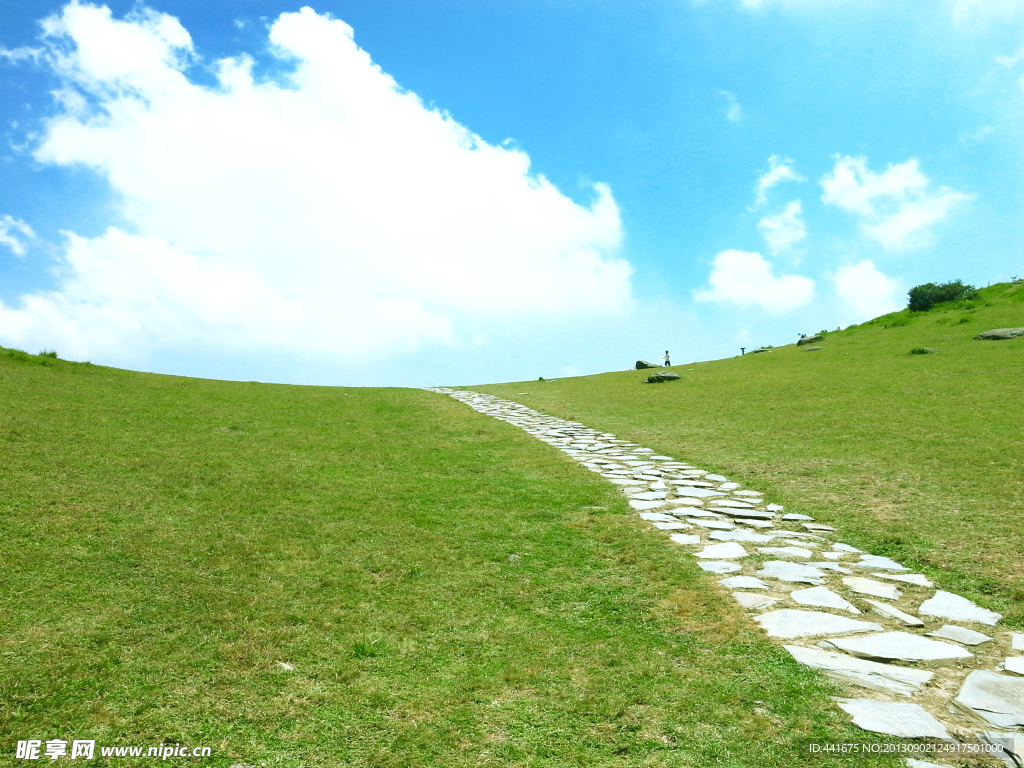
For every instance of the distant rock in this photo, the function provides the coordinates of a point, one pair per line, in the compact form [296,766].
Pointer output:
[641,364]
[662,376]
[998,334]
[759,351]
[812,349]
[923,351]
[810,340]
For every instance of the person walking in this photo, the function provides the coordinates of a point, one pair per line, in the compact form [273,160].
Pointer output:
[667,361]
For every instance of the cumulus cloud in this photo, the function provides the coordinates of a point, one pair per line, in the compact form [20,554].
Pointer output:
[326,209]
[13,234]
[897,208]
[746,279]
[780,169]
[783,230]
[867,292]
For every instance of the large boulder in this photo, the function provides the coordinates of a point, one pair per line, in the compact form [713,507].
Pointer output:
[661,376]
[641,364]
[1000,333]
[810,339]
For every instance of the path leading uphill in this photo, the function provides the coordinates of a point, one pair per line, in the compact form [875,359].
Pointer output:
[925,662]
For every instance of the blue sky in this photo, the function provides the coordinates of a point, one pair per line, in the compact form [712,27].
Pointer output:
[416,193]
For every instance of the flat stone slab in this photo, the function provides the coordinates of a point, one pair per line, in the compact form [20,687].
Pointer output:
[788,623]
[879,563]
[886,610]
[907,578]
[685,538]
[1014,664]
[818,527]
[792,572]
[829,566]
[785,551]
[698,493]
[992,699]
[903,719]
[822,597]
[735,504]
[719,566]
[661,517]
[717,478]
[866,674]
[960,634]
[740,535]
[901,646]
[754,601]
[833,555]
[1011,746]
[687,502]
[746,513]
[794,516]
[744,493]
[696,513]
[774,507]
[871,587]
[720,525]
[756,523]
[676,526]
[946,605]
[743,582]
[644,505]
[1017,641]
[727,551]
[846,548]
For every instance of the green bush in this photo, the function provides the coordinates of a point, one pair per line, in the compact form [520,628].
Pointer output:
[924,297]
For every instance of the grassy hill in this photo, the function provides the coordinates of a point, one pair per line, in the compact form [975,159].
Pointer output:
[915,456]
[307,576]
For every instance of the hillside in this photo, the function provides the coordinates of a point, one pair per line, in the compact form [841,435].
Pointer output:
[312,576]
[915,456]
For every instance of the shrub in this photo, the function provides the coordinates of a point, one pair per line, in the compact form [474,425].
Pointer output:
[924,297]
[52,354]
[922,351]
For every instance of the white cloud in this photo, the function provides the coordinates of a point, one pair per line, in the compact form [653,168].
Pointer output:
[746,279]
[330,211]
[13,233]
[780,169]
[867,292]
[734,112]
[897,207]
[968,11]
[783,230]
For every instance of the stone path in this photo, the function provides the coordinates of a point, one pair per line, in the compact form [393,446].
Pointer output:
[923,662]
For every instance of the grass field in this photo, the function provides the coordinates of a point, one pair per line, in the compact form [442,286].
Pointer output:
[446,590]
[915,456]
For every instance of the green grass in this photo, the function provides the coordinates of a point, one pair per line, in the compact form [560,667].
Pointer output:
[448,590]
[916,456]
